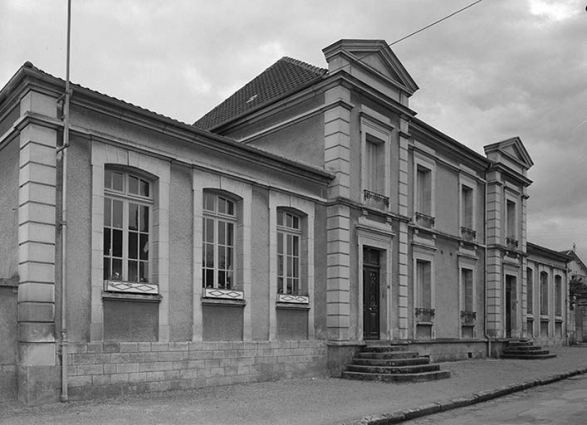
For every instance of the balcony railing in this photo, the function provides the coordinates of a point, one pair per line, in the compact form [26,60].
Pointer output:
[425,315]
[511,243]
[468,318]
[468,234]
[375,199]
[424,220]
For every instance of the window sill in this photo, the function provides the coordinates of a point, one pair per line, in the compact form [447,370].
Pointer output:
[292,306]
[558,319]
[125,296]
[293,299]
[123,287]
[223,302]
[224,294]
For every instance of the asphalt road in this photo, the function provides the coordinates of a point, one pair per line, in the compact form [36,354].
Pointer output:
[561,403]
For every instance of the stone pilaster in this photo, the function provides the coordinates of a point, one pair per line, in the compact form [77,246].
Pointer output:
[403,248]
[494,262]
[38,371]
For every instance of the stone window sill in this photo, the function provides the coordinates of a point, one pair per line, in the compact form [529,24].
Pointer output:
[125,296]
[292,306]
[223,302]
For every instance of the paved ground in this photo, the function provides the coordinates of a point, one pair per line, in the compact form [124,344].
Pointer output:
[312,401]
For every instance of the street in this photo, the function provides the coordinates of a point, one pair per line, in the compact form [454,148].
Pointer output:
[561,403]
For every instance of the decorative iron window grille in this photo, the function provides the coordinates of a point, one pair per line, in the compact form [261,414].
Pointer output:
[511,243]
[424,220]
[425,314]
[376,198]
[468,318]
[468,234]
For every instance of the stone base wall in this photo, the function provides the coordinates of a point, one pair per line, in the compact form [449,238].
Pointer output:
[446,351]
[8,379]
[111,369]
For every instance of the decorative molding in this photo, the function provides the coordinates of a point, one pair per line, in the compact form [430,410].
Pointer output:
[294,299]
[131,287]
[226,294]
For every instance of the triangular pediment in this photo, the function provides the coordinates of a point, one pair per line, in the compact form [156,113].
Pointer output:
[512,149]
[375,55]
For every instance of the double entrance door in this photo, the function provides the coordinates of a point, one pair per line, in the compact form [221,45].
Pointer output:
[371,293]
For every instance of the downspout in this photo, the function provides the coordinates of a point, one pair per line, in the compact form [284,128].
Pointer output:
[485,333]
[63,225]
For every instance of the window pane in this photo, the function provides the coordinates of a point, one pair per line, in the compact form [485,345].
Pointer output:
[107,247]
[221,205]
[230,234]
[280,265]
[229,207]
[208,255]
[280,285]
[145,188]
[117,214]
[221,279]
[117,181]
[221,257]
[106,268]
[295,246]
[289,244]
[280,243]
[133,216]
[289,267]
[133,274]
[107,212]
[144,247]
[116,269]
[221,232]
[280,218]
[117,243]
[229,256]
[144,218]
[209,199]
[133,185]
[144,271]
[289,221]
[133,240]
[108,179]
[208,278]
[296,222]
[209,230]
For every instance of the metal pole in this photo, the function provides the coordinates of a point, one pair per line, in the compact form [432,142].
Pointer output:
[64,395]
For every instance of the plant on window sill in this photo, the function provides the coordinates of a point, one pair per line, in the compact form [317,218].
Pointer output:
[375,198]
[425,314]
[468,234]
[468,317]
[424,220]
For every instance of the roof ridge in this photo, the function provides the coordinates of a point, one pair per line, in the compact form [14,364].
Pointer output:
[305,65]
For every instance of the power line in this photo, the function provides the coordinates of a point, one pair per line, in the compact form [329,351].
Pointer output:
[436,22]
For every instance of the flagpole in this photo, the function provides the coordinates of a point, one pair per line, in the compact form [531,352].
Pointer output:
[64,381]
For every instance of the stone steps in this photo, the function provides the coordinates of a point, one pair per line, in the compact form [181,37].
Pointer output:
[392,363]
[525,350]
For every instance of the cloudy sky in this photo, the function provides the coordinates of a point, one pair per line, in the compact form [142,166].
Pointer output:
[501,68]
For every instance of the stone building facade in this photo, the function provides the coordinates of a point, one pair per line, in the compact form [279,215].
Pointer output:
[308,215]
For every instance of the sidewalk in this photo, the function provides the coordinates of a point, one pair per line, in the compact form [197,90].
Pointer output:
[312,401]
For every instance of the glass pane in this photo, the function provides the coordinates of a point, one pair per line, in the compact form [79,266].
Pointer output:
[108,179]
[280,265]
[144,247]
[117,214]
[145,188]
[221,279]
[289,286]
[116,269]
[280,243]
[133,272]
[222,233]
[117,243]
[107,247]
[107,212]
[144,271]
[289,267]
[230,234]
[209,199]
[280,218]
[133,240]
[133,216]
[289,222]
[229,207]
[229,256]
[144,219]
[221,205]
[117,181]
[208,255]
[209,230]
[209,278]
[295,270]
[296,222]
[221,257]
[280,285]
[289,245]
[133,185]
[106,268]
[295,246]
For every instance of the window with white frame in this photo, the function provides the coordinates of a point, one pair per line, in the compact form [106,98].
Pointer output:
[511,219]
[543,293]
[467,206]
[424,190]
[424,284]
[128,200]
[289,234]
[219,229]
[558,295]
[529,291]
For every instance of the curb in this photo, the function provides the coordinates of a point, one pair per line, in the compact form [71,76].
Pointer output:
[442,406]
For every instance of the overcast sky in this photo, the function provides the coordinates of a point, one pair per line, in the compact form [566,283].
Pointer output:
[501,68]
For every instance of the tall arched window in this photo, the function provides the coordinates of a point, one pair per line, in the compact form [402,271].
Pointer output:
[543,293]
[289,235]
[128,201]
[220,220]
[530,291]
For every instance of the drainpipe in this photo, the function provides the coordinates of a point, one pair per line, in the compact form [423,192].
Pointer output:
[486,334]
[63,225]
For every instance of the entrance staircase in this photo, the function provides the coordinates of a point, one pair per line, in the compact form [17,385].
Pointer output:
[526,350]
[392,363]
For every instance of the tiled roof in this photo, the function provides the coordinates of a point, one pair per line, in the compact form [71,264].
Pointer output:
[284,77]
